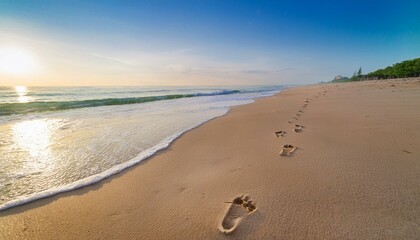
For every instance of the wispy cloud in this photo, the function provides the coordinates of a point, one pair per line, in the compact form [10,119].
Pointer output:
[258,72]
[25,39]
[112,59]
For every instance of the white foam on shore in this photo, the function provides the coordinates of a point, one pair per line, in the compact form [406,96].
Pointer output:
[117,168]
[100,176]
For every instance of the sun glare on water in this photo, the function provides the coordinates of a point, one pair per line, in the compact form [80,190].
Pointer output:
[17,62]
[34,138]
[21,92]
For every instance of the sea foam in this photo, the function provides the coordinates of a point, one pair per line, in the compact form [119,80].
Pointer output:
[100,176]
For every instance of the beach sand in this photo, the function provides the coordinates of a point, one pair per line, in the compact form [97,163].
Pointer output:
[354,174]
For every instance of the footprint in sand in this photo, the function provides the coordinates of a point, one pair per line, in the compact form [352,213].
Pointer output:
[287,150]
[297,128]
[239,208]
[280,133]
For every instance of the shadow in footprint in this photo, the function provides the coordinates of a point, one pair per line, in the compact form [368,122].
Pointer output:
[239,208]
[280,133]
[298,128]
[287,150]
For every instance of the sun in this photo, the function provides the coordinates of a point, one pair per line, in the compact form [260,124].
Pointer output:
[14,61]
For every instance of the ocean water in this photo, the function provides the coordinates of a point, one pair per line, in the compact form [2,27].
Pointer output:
[55,139]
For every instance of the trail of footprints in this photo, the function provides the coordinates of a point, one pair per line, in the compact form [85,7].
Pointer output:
[242,206]
[288,149]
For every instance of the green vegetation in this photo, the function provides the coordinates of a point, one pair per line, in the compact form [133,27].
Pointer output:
[409,68]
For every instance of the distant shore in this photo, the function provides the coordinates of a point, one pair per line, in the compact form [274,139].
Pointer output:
[326,161]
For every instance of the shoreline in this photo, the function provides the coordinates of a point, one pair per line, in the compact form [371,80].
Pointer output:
[312,192]
[97,178]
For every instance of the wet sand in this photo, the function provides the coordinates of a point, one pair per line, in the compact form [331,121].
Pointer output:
[350,169]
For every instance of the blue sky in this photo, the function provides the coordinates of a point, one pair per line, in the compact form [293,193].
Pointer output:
[206,42]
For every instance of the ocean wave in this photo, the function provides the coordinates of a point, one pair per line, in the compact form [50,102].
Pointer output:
[38,106]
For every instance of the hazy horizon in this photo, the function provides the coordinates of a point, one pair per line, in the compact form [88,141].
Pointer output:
[200,43]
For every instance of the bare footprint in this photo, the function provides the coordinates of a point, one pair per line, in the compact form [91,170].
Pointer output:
[297,128]
[239,208]
[280,133]
[287,150]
